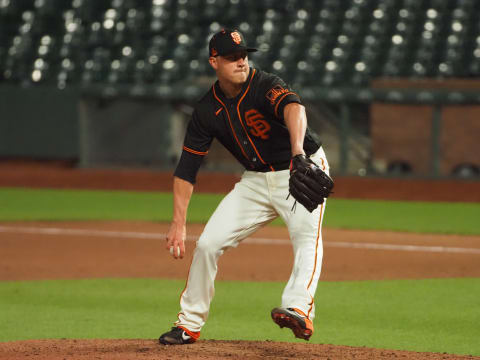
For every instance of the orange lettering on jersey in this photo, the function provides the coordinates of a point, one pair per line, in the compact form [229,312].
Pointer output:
[275,92]
[258,126]
[236,37]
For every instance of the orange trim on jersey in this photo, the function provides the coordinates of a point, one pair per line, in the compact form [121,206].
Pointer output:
[194,151]
[230,121]
[218,111]
[279,101]
[241,122]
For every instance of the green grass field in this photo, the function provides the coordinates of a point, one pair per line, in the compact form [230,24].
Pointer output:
[421,315]
[55,205]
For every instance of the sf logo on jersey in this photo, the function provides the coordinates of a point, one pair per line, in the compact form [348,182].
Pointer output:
[258,126]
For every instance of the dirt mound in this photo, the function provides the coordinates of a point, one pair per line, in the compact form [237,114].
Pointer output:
[204,349]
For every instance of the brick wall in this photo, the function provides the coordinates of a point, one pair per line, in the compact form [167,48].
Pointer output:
[403,132]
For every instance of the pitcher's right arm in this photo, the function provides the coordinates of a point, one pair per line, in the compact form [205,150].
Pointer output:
[182,192]
[196,144]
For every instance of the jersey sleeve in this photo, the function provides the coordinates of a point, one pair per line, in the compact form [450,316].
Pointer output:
[195,146]
[275,95]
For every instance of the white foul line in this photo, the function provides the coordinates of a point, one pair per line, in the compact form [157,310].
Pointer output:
[372,246]
[81,232]
[263,241]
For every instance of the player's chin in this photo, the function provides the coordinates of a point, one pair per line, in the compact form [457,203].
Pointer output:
[240,77]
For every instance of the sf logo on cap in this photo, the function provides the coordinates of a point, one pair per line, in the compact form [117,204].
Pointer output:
[236,37]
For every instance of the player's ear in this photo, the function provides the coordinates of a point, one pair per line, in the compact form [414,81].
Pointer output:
[213,62]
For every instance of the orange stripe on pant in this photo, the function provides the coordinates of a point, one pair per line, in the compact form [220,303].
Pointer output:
[316,254]
[316,245]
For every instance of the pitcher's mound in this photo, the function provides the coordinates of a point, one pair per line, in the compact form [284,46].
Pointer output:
[204,349]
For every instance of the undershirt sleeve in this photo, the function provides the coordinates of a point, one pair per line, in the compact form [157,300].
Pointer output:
[195,146]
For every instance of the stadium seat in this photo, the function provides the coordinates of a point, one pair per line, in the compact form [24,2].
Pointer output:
[308,42]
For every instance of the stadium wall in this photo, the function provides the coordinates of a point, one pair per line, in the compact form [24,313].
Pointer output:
[38,122]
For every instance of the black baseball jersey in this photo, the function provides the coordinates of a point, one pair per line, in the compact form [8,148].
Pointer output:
[250,126]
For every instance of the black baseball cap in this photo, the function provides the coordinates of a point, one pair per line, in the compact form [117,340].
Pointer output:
[226,42]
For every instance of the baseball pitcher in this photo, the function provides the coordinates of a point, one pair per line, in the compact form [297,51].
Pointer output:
[263,124]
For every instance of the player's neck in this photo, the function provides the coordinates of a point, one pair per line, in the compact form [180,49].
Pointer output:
[230,89]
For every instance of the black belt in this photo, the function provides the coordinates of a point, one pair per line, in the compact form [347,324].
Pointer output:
[283,165]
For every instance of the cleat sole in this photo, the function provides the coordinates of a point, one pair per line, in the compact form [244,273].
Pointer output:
[299,331]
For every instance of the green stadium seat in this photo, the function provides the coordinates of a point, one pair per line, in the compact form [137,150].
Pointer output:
[308,42]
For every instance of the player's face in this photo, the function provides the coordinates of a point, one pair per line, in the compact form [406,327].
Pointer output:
[232,68]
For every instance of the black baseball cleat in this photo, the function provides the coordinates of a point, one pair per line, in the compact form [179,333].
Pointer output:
[294,319]
[178,336]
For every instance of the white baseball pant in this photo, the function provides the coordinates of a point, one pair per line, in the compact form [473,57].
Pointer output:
[256,199]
